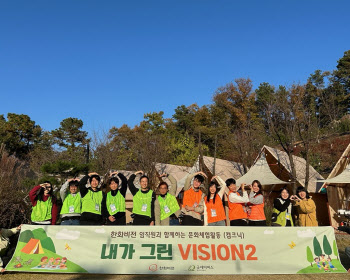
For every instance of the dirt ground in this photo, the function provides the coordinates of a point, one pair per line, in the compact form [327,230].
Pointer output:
[343,240]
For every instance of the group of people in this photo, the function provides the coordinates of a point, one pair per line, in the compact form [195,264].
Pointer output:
[84,202]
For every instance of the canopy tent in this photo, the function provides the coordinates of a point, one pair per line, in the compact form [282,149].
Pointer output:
[260,171]
[342,178]
[280,165]
[177,171]
[338,187]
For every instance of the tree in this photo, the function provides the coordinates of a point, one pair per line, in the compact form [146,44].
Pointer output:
[236,119]
[342,74]
[19,133]
[317,247]
[279,109]
[70,134]
[326,246]
[309,255]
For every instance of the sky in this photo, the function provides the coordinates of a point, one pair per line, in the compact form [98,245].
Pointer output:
[110,62]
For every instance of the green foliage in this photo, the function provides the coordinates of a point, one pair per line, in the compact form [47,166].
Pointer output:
[309,255]
[48,244]
[317,247]
[326,246]
[69,135]
[19,133]
[67,168]
[26,236]
[39,233]
[344,125]
[268,209]
[342,74]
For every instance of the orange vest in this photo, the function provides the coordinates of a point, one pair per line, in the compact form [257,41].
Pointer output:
[216,210]
[191,197]
[257,212]
[236,209]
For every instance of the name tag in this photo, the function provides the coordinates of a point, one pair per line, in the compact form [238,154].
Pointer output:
[213,212]
[144,208]
[97,207]
[71,209]
[166,209]
[113,208]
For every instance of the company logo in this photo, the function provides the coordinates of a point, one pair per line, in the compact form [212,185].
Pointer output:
[192,268]
[153,267]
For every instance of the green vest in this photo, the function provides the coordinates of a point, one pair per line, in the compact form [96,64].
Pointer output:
[71,204]
[168,206]
[281,218]
[42,210]
[142,203]
[92,202]
[115,203]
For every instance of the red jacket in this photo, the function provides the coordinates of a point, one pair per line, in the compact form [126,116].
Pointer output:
[33,195]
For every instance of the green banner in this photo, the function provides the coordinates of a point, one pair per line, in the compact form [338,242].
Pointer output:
[176,250]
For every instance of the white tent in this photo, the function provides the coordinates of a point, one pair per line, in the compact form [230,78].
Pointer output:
[262,172]
[342,178]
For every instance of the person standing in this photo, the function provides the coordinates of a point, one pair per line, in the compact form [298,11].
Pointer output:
[191,208]
[256,204]
[282,210]
[306,208]
[237,204]
[44,205]
[93,206]
[143,200]
[215,210]
[115,200]
[71,208]
[166,207]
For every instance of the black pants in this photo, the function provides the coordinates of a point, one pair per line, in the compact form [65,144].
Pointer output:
[90,219]
[238,223]
[190,221]
[257,223]
[140,220]
[121,221]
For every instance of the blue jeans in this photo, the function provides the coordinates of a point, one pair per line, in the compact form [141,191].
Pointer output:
[70,222]
[174,222]
[219,223]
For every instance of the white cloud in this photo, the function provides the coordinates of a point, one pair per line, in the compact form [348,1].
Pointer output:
[100,230]
[67,234]
[306,233]
[269,231]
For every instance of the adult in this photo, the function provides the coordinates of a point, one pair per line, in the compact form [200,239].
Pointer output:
[256,215]
[191,207]
[305,207]
[215,210]
[5,235]
[115,200]
[44,205]
[282,210]
[143,200]
[166,207]
[237,204]
[71,208]
[93,209]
